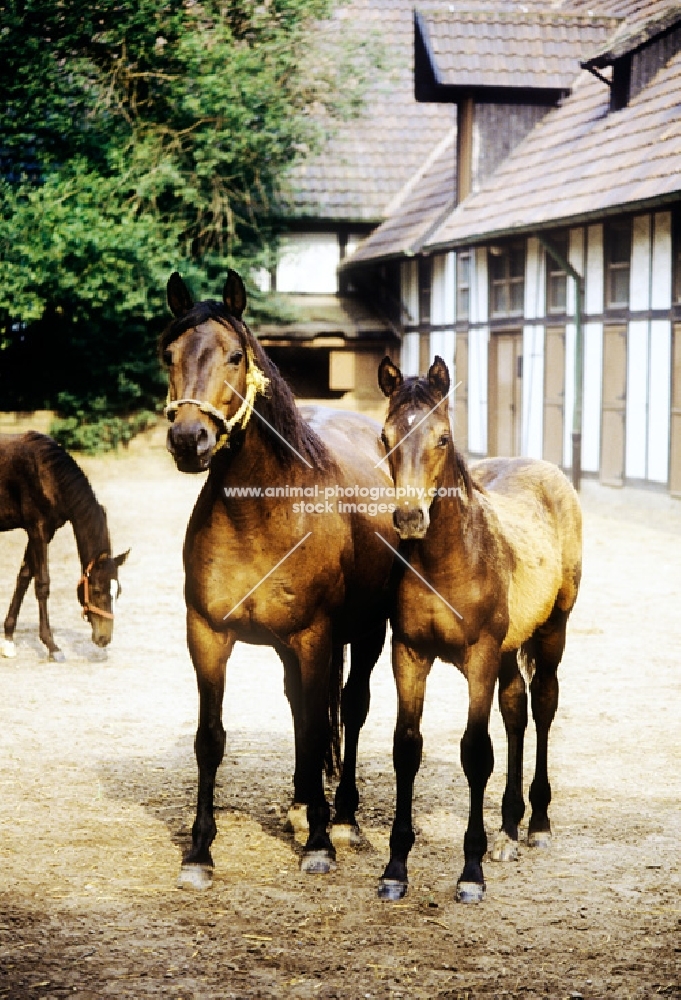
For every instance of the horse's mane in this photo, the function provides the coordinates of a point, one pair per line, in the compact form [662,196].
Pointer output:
[417,391]
[77,501]
[278,406]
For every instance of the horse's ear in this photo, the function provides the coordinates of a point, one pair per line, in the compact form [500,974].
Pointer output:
[234,294]
[389,376]
[119,560]
[438,376]
[179,297]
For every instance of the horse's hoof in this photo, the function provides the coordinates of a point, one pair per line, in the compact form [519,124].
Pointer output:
[346,834]
[57,656]
[392,889]
[317,863]
[540,838]
[296,819]
[504,848]
[8,649]
[470,892]
[195,877]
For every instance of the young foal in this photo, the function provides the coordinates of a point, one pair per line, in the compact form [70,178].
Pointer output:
[263,568]
[500,546]
[41,488]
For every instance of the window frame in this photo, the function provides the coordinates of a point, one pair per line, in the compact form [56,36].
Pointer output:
[508,282]
[554,273]
[612,269]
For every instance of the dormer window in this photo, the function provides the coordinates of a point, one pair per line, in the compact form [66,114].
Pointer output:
[620,86]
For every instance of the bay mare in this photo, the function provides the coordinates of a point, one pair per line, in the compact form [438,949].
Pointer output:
[495,566]
[41,488]
[261,570]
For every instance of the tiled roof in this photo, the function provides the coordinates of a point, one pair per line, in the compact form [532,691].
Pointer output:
[418,209]
[517,48]
[581,162]
[640,26]
[370,158]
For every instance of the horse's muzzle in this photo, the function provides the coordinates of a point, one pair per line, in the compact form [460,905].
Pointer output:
[411,522]
[191,443]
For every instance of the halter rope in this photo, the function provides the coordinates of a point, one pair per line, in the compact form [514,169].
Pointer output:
[87,607]
[256,382]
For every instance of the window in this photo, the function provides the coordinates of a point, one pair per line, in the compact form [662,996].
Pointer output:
[617,264]
[507,279]
[556,277]
[463,285]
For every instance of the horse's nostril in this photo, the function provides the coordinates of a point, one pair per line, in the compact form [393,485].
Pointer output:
[202,442]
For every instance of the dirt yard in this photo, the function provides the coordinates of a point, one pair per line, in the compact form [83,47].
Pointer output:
[98,788]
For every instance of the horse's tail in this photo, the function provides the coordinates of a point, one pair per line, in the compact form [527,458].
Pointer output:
[332,758]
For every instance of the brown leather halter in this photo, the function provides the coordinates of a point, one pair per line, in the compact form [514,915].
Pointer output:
[87,607]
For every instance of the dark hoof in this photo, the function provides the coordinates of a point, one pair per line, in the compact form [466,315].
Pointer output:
[470,892]
[317,863]
[504,849]
[540,839]
[195,877]
[346,835]
[57,656]
[392,889]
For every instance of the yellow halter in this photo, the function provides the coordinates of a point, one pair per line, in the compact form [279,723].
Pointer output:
[256,382]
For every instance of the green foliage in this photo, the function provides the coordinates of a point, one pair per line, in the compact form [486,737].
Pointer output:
[139,137]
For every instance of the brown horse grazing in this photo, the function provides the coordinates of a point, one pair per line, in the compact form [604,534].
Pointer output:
[264,566]
[41,488]
[496,560]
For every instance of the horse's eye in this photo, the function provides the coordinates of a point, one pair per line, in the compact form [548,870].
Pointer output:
[384,440]
[235,358]
[167,358]
[443,441]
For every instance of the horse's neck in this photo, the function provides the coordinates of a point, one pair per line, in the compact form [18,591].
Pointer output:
[450,519]
[88,520]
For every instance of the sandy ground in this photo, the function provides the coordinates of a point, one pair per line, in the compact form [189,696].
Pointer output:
[98,788]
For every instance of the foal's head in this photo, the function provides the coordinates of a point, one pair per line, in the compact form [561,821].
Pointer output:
[417,437]
[98,590]
[205,351]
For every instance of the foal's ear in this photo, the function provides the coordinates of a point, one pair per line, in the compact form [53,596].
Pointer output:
[119,560]
[389,376]
[234,294]
[438,376]
[179,296]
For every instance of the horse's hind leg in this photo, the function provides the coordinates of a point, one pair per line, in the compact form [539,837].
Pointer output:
[209,651]
[23,581]
[354,710]
[513,706]
[547,646]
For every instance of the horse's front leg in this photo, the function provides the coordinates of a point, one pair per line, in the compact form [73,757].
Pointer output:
[37,552]
[354,709]
[313,733]
[209,651]
[23,580]
[411,671]
[477,760]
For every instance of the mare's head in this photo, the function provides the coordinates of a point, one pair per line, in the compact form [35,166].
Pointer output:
[98,590]
[205,352]
[418,439]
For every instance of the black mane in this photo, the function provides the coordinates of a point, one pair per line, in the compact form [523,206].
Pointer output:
[77,502]
[278,406]
[417,391]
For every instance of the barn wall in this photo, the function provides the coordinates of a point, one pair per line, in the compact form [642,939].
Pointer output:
[576,258]
[533,353]
[478,341]
[309,264]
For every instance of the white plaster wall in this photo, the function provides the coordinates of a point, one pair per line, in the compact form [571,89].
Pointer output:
[478,345]
[576,258]
[309,264]
[442,290]
[637,400]
[535,292]
[639,274]
[659,394]
[478,288]
[591,410]
[661,293]
[533,391]
[594,269]
[409,358]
